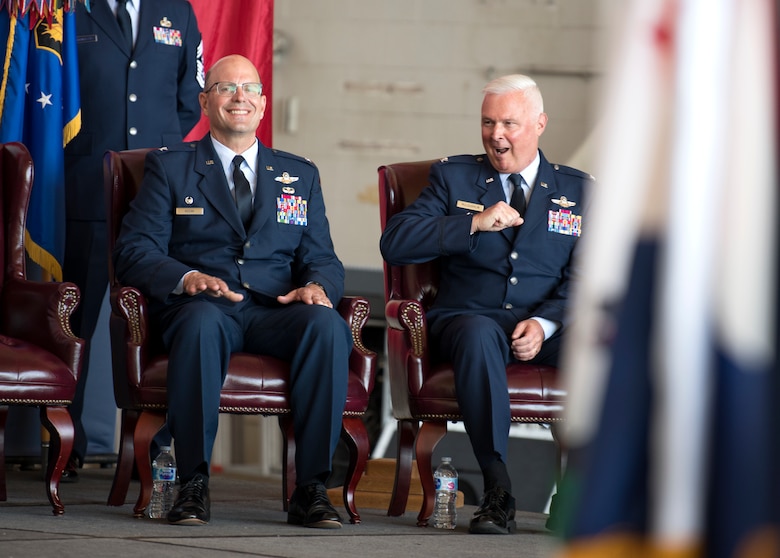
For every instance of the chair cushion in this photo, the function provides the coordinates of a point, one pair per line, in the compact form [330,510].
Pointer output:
[533,394]
[31,375]
[254,384]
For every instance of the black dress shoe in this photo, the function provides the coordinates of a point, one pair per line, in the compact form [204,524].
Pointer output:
[192,505]
[311,507]
[71,472]
[496,515]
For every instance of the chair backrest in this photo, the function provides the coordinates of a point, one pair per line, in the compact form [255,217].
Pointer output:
[399,185]
[123,172]
[16,179]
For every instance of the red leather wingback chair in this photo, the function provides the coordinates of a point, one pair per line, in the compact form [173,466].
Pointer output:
[255,384]
[423,395]
[40,358]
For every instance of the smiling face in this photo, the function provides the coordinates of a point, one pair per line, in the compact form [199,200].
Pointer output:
[233,120]
[511,126]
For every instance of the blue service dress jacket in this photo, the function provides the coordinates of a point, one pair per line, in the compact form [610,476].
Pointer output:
[527,270]
[144,98]
[185,218]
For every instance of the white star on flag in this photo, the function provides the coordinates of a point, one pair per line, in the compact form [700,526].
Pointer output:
[44,100]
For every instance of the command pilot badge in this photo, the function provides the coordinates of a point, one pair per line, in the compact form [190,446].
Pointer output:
[286,178]
[564,202]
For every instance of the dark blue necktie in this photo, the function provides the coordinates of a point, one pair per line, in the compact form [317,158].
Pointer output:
[243,191]
[125,25]
[518,195]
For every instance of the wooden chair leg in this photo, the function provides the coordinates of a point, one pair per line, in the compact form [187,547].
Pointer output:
[288,459]
[125,460]
[407,432]
[149,423]
[3,417]
[354,434]
[60,427]
[431,432]
[555,429]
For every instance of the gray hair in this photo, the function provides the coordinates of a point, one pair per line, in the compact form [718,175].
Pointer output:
[513,83]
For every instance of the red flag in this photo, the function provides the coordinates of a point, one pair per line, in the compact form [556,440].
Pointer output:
[238,27]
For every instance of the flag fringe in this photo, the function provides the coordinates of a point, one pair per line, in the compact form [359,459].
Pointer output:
[620,545]
[71,129]
[39,9]
[44,259]
[7,63]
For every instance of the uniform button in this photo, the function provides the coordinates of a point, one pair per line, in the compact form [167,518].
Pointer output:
[245,285]
[247,244]
[133,65]
[240,261]
[513,280]
[133,97]
[513,255]
[508,306]
[133,131]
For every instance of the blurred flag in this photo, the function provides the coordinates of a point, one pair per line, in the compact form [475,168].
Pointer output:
[39,106]
[672,364]
[243,27]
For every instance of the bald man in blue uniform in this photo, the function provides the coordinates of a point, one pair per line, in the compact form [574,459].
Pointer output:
[139,92]
[505,226]
[218,285]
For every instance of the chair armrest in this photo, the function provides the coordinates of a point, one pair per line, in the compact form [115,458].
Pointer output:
[356,310]
[129,324]
[39,312]
[407,352]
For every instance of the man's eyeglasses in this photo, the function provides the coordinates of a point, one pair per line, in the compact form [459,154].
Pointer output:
[228,89]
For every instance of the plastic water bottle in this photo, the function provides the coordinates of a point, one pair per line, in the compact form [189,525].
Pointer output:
[445,479]
[164,483]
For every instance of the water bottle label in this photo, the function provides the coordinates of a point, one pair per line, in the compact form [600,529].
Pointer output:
[164,474]
[446,483]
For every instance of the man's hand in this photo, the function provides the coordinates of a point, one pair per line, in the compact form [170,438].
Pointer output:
[527,339]
[197,282]
[310,294]
[496,218]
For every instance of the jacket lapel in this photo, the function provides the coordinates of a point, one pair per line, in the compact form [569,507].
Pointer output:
[265,189]
[104,18]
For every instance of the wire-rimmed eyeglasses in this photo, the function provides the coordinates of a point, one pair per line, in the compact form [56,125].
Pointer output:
[228,88]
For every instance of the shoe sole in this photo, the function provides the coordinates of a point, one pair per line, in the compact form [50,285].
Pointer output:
[324,524]
[490,528]
[189,521]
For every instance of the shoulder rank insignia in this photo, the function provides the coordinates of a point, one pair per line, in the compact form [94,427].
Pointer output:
[286,178]
[563,202]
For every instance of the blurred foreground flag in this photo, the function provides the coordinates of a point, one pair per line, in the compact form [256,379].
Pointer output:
[40,106]
[672,365]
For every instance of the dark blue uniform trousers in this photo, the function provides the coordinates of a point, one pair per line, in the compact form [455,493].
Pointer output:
[478,345]
[200,336]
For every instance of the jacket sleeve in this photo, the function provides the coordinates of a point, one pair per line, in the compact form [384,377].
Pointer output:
[141,254]
[316,259]
[427,228]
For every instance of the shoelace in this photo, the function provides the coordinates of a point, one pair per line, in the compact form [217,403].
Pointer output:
[194,487]
[318,496]
[495,502]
